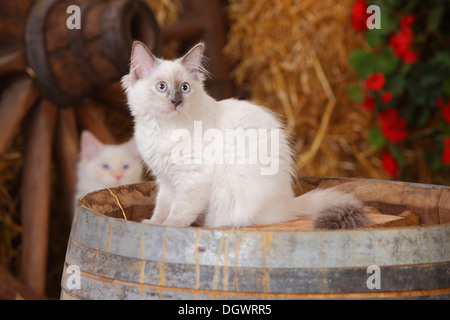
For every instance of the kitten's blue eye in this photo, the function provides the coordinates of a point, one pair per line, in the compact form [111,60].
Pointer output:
[105,166]
[161,86]
[126,167]
[185,87]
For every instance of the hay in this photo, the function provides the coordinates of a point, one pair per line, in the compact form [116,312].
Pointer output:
[292,56]
[10,229]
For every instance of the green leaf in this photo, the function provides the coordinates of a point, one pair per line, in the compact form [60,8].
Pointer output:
[442,58]
[397,154]
[387,62]
[364,63]
[396,84]
[435,17]
[435,162]
[355,94]
[375,138]
[425,82]
[374,36]
[423,116]
[446,86]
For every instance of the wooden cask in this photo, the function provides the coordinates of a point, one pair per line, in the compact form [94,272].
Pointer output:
[109,257]
[69,62]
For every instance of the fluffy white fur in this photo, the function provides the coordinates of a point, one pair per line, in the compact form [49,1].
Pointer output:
[210,194]
[102,165]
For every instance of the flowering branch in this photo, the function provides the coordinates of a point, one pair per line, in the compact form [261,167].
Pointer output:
[405,81]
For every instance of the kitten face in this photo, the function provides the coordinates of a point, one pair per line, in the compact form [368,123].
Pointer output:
[113,167]
[161,88]
[109,165]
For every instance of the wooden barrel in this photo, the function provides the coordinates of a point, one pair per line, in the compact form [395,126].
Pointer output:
[109,257]
[69,62]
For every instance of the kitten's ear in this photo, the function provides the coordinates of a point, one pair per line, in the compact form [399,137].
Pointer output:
[131,147]
[142,60]
[193,59]
[90,145]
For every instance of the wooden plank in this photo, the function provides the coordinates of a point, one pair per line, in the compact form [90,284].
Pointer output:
[13,289]
[13,15]
[113,96]
[378,220]
[90,119]
[17,100]
[12,62]
[66,151]
[36,194]
[405,219]
[182,30]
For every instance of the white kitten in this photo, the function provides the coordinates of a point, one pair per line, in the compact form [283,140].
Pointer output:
[218,163]
[102,165]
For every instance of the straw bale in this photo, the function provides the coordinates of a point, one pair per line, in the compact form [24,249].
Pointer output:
[292,56]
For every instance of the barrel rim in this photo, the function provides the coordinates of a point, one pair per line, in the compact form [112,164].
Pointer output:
[416,185]
[260,248]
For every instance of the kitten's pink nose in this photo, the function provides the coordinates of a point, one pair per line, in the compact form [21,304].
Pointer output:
[118,177]
[176,102]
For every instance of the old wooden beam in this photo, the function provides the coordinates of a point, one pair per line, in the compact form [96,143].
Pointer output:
[17,100]
[90,119]
[13,61]
[183,30]
[13,289]
[36,194]
[66,152]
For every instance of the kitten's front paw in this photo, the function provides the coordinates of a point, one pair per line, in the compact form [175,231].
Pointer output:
[149,221]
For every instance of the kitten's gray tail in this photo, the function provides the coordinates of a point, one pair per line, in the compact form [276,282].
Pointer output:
[332,209]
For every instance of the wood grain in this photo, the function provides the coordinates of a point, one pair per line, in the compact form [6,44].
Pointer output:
[17,100]
[36,194]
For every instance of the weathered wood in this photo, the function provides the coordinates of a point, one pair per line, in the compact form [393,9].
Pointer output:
[210,15]
[17,100]
[128,260]
[36,194]
[430,202]
[377,220]
[113,96]
[12,61]
[184,30]
[13,289]
[91,120]
[69,63]
[405,219]
[13,15]
[67,145]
